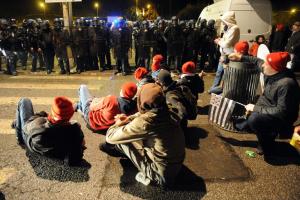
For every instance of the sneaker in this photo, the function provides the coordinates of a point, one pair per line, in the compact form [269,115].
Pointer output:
[140,177]
[13,124]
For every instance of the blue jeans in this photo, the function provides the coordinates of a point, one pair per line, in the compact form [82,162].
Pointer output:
[24,112]
[219,75]
[85,99]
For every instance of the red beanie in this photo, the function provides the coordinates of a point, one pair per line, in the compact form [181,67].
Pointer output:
[158,58]
[129,90]
[278,60]
[62,109]
[188,68]
[155,66]
[280,27]
[140,73]
[242,47]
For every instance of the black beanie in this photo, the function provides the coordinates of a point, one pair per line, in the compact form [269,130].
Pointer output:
[164,78]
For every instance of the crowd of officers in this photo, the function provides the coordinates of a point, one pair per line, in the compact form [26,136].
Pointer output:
[91,42]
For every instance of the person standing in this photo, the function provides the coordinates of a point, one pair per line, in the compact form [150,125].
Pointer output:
[230,37]
[293,46]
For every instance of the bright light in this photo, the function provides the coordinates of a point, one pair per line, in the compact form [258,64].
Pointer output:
[96,5]
[42,5]
[293,10]
[148,6]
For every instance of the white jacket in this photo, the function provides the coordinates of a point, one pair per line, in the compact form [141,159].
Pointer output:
[231,35]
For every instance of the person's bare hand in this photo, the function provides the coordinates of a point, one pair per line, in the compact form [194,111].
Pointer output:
[235,57]
[217,40]
[297,130]
[249,107]
[202,74]
[122,120]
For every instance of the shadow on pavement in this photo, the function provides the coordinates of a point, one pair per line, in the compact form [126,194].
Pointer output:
[203,110]
[235,142]
[2,196]
[193,136]
[282,152]
[54,169]
[188,185]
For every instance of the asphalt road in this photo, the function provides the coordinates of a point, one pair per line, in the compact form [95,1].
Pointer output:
[27,176]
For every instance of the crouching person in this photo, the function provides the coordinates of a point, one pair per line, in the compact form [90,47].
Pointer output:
[152,138]
[277,108]
[51,135]
[99,113]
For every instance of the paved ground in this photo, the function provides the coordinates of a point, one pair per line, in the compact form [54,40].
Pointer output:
[216,166]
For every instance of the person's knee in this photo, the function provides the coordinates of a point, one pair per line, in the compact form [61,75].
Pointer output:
[254,121]
[24,102]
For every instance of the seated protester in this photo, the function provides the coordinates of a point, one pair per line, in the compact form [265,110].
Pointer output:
[51,135]
[259,39]
[277,108]
[179,97]
[242,47]
[99,113]
[145,138]
[156,65]
[191,79]
[141,74]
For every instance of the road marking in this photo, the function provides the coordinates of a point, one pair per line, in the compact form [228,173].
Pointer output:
[5,128]
[60,77]
[35,100]
[6,173]
[48,86]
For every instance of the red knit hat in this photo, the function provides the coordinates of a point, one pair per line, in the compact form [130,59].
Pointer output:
[188,68]
[158,58]
[140,73]
[280,27]
[62,109]
[155,66]
[129,90]
[242,47]
[278,60]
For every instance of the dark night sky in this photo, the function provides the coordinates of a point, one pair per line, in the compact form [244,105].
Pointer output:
[29,8]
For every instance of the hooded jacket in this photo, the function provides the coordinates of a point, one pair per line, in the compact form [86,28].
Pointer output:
[156,129]
[231,35]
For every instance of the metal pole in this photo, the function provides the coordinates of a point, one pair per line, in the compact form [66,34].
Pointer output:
[97,12]
[70,14]
[66,15]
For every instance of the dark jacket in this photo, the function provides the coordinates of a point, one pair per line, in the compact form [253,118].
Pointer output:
[181,98]
[59,141]
[195,83]
[281,96]
[293,45]
[127,106]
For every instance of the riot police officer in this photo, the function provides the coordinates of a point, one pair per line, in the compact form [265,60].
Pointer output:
[121,37]
[175,43]
[34,35]
[160,45]
[46,44]
[190,47]
[61,39]
[145,44]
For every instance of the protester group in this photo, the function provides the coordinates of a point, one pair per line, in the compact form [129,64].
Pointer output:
[148,120]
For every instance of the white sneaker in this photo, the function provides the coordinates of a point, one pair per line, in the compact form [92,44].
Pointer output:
[140,177]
